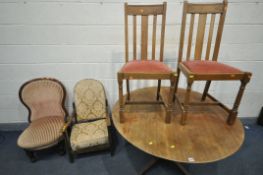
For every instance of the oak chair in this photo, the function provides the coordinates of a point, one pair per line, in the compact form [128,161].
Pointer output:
[206,70]
[44,98]
[90,125]
[145,68]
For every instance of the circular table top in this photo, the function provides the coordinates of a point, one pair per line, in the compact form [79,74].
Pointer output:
[205,138]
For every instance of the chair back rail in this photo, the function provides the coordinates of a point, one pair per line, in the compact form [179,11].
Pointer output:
[144,12]
[203,12]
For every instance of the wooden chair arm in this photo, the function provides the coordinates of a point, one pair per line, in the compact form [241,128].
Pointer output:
[108,120]
[108,113]
[66,125]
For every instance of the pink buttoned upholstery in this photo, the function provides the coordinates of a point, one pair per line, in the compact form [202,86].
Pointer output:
[44,97]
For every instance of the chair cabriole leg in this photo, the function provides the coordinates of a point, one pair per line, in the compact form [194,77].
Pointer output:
[111,142]
[61,148]
[31,156]
[68,147]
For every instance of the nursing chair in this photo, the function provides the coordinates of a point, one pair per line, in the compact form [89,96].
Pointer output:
[147,67]
[44,98]
[205,67]
[91,125]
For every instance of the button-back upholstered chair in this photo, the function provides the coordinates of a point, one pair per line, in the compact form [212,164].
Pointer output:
[200,67]
[91,123]
[44,98]
[148,67]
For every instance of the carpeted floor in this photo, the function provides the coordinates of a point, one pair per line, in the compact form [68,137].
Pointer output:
[128,160]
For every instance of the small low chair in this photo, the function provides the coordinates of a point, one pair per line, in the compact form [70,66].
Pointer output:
[206,70]
[91,125]
[44,98]
[145,68]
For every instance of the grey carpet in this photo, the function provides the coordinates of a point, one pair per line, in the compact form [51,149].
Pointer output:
[128,160]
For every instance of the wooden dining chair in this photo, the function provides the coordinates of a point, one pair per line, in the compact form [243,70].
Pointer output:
[147,67]
[204,67]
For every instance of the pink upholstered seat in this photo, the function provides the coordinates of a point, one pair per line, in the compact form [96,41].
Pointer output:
[41,133]
[209,67]
[145,66]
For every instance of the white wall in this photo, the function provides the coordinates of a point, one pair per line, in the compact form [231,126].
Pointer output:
[75,39]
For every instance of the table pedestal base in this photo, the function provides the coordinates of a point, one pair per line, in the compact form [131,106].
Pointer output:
[154,161]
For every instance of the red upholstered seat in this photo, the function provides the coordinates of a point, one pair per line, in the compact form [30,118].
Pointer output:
[145,66]
[210,67]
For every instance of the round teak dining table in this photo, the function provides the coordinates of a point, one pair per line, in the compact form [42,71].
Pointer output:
[205,138]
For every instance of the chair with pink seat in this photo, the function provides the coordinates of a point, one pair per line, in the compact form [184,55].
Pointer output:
[147,67]
[206,70]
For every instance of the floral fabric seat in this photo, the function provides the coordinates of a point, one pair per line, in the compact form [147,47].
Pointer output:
[89,134]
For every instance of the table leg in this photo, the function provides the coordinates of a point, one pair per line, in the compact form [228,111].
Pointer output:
[154,161]
[182,168]
[149,165]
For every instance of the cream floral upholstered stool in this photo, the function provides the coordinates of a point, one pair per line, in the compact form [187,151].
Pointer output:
[91,122]
[44,98]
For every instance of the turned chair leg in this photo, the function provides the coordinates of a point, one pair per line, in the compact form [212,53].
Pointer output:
[170,100]
[207,85]
[31,156]
[121,104]
[233,113]
[61,148]
[128,89]
[71,157]
[112,146]
[186,102]
[68,147]
[158,90]
[176,84]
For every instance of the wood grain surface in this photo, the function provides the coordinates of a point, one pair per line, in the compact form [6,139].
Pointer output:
[205,138]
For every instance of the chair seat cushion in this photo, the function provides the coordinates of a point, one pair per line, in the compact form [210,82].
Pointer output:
[89,134]
[145,66]
[210,67]
[41,133]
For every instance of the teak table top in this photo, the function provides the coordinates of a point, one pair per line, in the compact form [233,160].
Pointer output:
[205,138]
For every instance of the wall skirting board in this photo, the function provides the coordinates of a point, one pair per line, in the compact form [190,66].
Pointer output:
[13,126]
